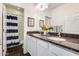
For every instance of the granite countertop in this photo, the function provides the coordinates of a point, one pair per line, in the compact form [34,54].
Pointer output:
[70,43]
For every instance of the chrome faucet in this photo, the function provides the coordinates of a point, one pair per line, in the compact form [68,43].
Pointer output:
[59,30]
[59,34]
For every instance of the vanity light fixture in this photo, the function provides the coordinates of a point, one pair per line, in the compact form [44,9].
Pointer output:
[42,6]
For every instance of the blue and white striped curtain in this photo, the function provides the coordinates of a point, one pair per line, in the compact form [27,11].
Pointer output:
[12,31]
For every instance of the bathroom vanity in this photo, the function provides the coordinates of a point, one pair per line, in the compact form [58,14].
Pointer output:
[39,45]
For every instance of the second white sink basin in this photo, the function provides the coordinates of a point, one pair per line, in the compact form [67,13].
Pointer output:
[57,39]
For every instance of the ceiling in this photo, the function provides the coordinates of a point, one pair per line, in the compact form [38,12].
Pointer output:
[54,5]
[51,5]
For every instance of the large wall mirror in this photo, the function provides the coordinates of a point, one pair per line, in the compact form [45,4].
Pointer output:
[48,20]
[68,24]
[41,23]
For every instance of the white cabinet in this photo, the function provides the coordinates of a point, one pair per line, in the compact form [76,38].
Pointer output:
[41,51]
[28,42]
[38,47]
[33,46]
[0,50]
[50,53]
[42,48]
[0,29]
[60,51]
[42,43]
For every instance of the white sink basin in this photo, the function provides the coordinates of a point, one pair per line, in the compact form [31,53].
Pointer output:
[37,35]
[57,39]
[52,38]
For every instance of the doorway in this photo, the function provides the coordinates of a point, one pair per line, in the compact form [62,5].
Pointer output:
[13,30]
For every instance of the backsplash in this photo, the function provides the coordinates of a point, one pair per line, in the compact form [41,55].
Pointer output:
[76,36]
[70,35]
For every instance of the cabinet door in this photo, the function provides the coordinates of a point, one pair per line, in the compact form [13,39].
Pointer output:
[60,51]
[41,51]
[1,9]
[26,45]
[0,50]
[33,47]
[51,54]
[29,44]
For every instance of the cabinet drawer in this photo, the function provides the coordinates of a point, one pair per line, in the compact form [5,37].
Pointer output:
[60,51]
[42,43]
